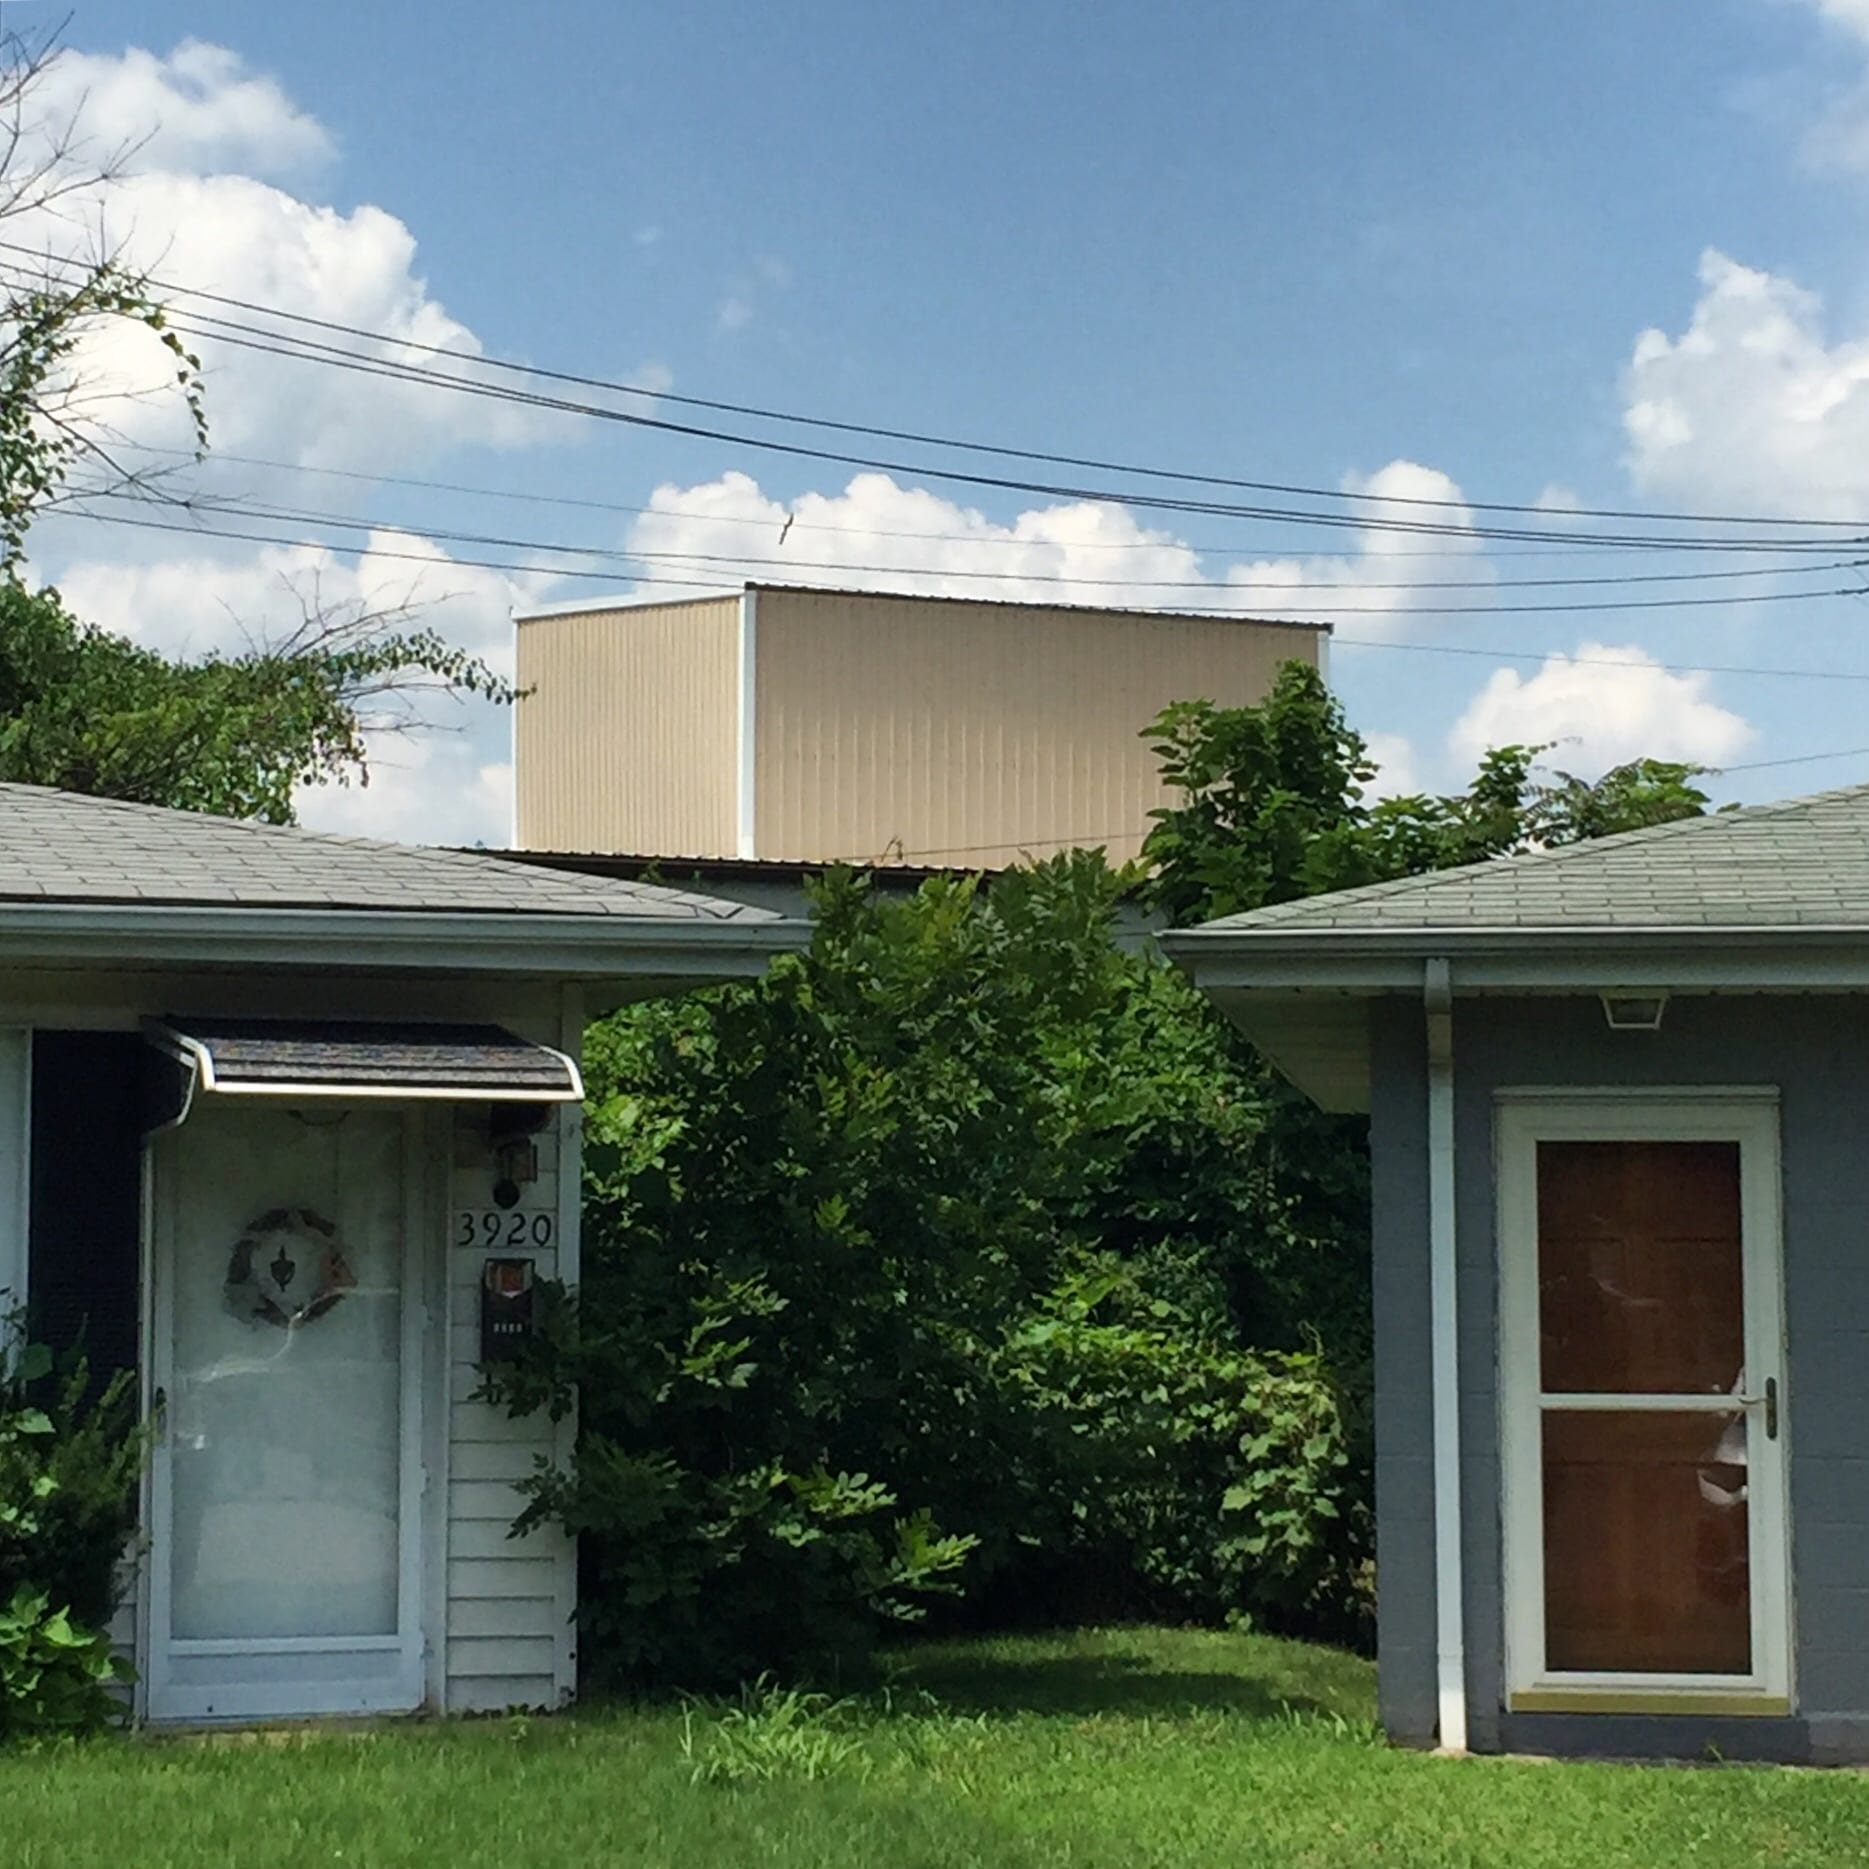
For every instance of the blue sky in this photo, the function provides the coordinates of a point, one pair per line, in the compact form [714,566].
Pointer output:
[1297,243]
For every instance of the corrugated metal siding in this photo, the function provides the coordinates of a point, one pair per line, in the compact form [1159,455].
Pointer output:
[509,1639]
[627,736]
[947,731]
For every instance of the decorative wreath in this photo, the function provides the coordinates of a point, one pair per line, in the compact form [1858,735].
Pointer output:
[287,1268]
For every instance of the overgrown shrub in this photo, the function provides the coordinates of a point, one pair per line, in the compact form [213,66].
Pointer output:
[55,1674]
[69,1468]
[1209,1481]
[828,1361]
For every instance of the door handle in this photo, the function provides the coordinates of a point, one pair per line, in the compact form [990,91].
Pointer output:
[1768,1401]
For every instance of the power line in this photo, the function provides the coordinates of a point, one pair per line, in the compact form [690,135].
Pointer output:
[1577,548]
[1338,639]
[1359,642]
[953,443]
[1586,606]
[259,509]
[1084,839]
[1795,759]
[285,344]
[330,356]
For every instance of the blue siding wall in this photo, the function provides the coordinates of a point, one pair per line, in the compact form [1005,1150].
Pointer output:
[1815,1051]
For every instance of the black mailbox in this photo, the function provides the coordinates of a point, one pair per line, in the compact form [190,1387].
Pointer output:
[505,1308]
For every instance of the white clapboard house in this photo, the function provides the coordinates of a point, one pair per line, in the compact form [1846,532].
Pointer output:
[289,1124]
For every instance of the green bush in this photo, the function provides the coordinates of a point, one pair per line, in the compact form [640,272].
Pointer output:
[1209,1481]
[923,1267]
[55,1675]
[68,1490]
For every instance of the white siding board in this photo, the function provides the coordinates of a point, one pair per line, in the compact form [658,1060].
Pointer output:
[492,1460]
[480,1578]
[472,1423]
[500,1693]
[497,1500]
[504,1616]
[507,1643]
[485,1656]
[493,1538]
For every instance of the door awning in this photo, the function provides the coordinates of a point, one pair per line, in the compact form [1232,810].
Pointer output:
[303,1058]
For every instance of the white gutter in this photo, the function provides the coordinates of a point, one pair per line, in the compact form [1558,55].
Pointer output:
[1437,1001]
[535,945]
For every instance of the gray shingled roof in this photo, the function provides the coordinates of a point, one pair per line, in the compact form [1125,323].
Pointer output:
[1803,863]
[59,847]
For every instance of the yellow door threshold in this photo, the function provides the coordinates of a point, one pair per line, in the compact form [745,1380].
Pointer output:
[1648,1700]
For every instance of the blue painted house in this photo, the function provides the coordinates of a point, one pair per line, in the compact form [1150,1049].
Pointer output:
[1618,1097]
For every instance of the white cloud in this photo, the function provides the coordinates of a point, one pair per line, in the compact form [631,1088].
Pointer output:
[1838,137]
[199,110]
[184,216]
[435,789]
[1399,767]
[1606,706]
[246,239]
[188,217]
[202,603]
[1376,586]
[746,293]
[1753,405]
[449,782]
[879,532]
[1852,15]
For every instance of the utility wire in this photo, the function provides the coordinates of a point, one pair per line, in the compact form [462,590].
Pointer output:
[1795,759]
[1566,607]
[1359,642]
[265,510]
[952,443]
[330,356]
[285,344]
[1585,547]
[1085,839]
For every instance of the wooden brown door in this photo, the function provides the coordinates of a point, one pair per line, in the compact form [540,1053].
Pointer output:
[1648,1434]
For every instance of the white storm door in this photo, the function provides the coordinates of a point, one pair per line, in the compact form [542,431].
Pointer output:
[286,1483]
[1642,1376]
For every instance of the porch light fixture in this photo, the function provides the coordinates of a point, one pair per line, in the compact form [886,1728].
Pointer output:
[1634,1012]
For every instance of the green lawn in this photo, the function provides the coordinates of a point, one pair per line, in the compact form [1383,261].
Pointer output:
[1123,1748]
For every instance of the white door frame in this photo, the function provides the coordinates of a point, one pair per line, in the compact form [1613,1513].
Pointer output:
[1747,1116]
[397,1682]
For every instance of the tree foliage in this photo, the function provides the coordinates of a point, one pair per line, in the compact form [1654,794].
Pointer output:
[971,1266]
[1273,804]
[914,1268]
[92,712]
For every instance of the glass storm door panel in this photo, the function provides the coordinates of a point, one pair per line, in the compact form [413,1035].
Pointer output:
[1646,1545]
[284,1524]
[1641,1293]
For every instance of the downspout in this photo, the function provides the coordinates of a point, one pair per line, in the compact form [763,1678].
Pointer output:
[1437,999]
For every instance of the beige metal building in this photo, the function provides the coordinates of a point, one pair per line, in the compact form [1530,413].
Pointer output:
[802,725]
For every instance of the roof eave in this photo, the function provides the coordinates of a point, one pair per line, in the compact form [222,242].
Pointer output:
[513,944]
[1806,955]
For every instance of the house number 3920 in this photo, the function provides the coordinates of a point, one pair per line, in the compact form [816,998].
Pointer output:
[492,1228]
